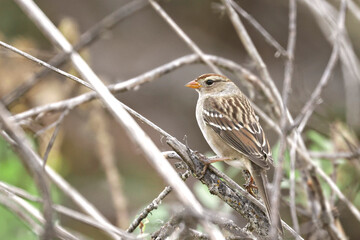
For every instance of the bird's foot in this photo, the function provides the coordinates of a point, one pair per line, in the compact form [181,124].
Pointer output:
[207,161]
[200,173]
[250,184]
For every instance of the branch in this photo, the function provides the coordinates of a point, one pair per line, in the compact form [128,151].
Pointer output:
[53,136]
[288,75]
[336,155]
[183,35]
[105,152]
[44,64]
[260,29]
[153,205]
[310,105]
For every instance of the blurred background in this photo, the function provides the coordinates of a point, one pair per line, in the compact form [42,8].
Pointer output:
[137,44]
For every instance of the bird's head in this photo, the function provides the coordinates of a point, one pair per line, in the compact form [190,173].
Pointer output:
[211,83]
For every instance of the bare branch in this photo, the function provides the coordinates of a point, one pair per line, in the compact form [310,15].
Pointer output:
[310,105]
[53,136]
[261,29]
[354,9]
[336,155]
[288,75]
[292,193]
[153,205]
[34,59]
[105,152]
[183,35]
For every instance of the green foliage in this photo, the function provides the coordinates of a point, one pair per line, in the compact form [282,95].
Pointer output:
[348,178]
[13,172]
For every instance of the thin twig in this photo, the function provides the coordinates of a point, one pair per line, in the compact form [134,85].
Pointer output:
[105,152]
[288,75]
[354,9]
[53,136]
[268,38]
[168,228]
[183,35]
[34,59]
[292,179]
[336,155]
[145,212]
[310,105]
[155,203]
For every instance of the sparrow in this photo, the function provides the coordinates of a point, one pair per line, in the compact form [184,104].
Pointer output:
[232,129]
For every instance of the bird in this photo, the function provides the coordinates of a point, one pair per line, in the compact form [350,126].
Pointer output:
[231,128]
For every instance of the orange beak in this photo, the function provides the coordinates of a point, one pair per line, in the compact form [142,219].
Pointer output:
[193,84]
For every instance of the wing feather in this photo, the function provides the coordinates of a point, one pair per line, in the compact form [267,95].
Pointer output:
[234,120]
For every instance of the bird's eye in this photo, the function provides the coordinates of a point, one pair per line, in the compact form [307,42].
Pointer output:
[209,82]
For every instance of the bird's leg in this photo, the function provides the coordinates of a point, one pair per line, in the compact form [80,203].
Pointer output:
[250,184]
[207,161]
[211,160]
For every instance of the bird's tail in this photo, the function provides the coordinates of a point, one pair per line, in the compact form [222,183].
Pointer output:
[261,182]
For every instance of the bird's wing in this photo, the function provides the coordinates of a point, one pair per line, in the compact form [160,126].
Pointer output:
[234,120]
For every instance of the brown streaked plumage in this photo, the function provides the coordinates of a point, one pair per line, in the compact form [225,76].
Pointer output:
[232,129]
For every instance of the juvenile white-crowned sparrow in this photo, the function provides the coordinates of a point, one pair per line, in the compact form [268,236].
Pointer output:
[231,128]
